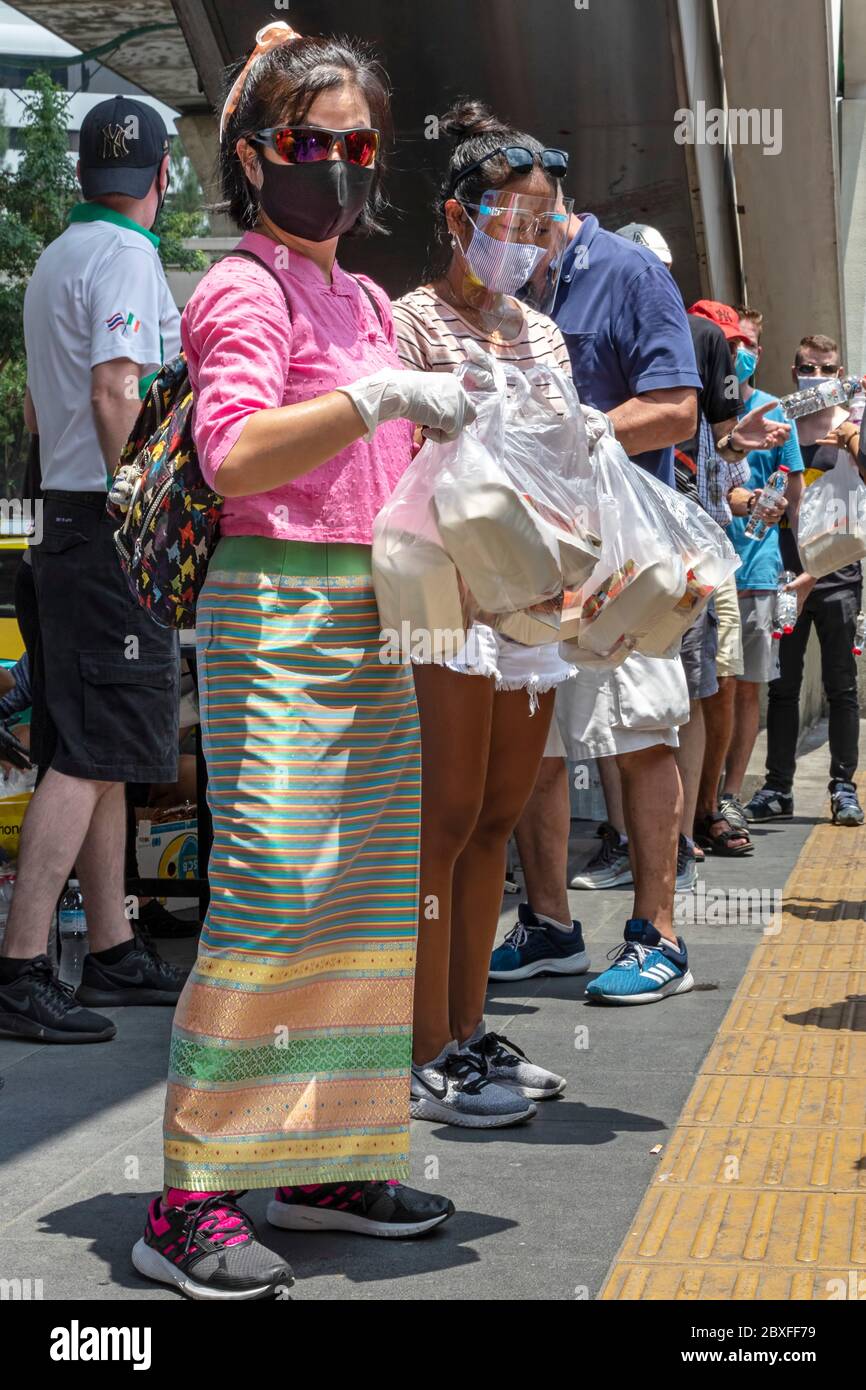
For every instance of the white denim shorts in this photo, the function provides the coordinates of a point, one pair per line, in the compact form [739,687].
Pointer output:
[512,665]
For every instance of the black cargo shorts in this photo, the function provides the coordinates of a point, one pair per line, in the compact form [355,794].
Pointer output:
[106,676]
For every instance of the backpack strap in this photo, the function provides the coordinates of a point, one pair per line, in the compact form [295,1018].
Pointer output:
[370,295]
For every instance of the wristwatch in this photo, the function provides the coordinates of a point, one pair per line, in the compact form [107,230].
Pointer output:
[727,442]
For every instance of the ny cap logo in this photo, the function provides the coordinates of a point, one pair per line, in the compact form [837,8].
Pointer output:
[114,144]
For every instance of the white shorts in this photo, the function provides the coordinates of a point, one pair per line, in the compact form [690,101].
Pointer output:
[512,665]
[638,705]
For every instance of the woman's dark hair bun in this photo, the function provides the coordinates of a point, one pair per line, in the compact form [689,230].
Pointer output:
[467,119]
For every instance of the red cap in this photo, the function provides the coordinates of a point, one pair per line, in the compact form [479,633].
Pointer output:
[722,314]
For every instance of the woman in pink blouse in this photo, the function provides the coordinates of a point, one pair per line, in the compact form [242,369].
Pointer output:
[291,1048]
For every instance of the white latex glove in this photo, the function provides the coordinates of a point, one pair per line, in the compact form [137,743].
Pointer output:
[435,400]
[597,426]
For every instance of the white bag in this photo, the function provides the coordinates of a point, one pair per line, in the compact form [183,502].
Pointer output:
[640,576]
[832,530]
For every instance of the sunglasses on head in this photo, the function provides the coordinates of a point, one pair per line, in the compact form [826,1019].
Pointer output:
[308,144]
[519,160]
[816,369]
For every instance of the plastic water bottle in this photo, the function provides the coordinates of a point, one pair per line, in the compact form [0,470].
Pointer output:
[833,390]
[859,635]
[758,524]
[7,888]
[71,921]
[785,607]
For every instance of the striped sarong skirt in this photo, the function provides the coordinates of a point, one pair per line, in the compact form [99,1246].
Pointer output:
[291,1045]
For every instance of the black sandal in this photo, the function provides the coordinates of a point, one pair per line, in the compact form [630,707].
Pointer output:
[720,842]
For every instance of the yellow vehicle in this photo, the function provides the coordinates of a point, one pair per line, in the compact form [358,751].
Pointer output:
[12,547]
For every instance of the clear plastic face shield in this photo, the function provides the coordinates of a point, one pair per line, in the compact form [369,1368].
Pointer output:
[514,248]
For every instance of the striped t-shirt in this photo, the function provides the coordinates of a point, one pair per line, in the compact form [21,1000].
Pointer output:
[430,337]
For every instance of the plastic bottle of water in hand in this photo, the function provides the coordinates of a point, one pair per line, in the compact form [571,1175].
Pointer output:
[763,512]
[832,390]
[859,635]
[785,607]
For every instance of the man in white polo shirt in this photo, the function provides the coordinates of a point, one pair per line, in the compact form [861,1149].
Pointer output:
[98,319]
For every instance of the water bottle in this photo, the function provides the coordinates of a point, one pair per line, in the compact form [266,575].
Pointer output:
[833,390]
[7,887]
[757,526]
[785,607]
[859,635]
[71,921]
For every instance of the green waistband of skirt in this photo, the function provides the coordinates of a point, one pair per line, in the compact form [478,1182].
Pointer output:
[270,556]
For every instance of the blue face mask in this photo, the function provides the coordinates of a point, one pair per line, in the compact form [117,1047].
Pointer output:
[745,364]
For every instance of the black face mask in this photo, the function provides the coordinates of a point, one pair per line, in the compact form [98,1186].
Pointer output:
[314,201]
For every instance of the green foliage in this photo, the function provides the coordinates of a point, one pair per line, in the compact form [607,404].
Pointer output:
[34,202]
[172,228]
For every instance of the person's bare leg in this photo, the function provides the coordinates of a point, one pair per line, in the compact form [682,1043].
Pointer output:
[456,714]
[100,864]
[542,841]
[517,742]
[611,785]
[745,732]
[690,760]
[55,826]
[718,725]
[650,780]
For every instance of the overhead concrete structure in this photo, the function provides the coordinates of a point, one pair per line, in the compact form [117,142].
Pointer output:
[610,83]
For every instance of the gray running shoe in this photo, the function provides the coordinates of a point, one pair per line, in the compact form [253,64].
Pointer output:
[844,805]
[454,1089]
[610,866]
[508,1066]
[733,810]
[687,866]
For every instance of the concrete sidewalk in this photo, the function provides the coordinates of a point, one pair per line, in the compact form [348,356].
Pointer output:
[542,1209]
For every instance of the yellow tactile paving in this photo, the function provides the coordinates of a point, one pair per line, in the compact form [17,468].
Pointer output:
[760,1191]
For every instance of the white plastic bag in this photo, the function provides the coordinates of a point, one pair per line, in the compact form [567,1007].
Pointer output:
[505,504]
[708,558]
[640,576]
[832,530]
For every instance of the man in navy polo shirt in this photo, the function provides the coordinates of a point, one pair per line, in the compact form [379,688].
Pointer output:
[625,325]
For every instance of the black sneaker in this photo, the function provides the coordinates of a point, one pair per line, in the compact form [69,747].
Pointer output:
[367,1208]
[209,1250]
[141,977]
[845,807]
[157,921]
[767,804]
[36,1005]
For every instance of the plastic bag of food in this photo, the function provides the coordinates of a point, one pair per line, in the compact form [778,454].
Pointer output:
[640,576]
[707,555]
[832,530]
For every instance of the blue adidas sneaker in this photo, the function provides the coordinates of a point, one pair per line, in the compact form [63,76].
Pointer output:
[537,948]
[645,968]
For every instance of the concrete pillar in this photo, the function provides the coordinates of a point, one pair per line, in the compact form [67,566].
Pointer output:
[777,60]
[198,131]
[853,182]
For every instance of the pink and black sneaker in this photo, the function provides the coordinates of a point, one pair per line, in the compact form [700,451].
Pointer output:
[208,1249]
[366,1208]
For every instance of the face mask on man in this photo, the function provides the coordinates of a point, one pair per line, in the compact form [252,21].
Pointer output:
[745,363]
[503,267]
[314,201]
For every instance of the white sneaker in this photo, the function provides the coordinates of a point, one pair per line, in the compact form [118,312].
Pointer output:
[454,1089]
[508,1066]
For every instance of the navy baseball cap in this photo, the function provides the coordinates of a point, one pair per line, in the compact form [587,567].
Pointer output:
[120,147]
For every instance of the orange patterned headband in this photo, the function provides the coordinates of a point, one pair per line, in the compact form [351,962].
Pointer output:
[271,36]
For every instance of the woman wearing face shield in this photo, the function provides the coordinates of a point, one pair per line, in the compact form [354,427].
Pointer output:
[485,717]
[290,1053]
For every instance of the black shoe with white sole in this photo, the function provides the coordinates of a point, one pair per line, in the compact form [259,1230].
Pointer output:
[209,1251]
[37,1006]
[141,976]
[365,1208]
